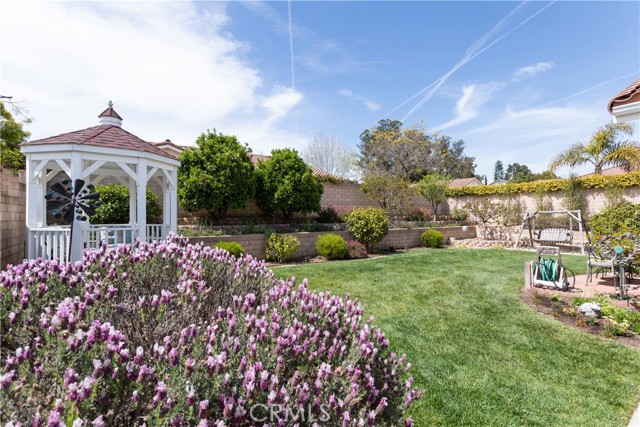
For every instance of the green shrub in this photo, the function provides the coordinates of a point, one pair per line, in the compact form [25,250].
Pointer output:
[356,250]
[368,225]
[419,215]
[215,175]
[432,239]
[572,197]
[285,183]
[613,221]
[280,247]
[619,317]
[234,248]
[459,214]
[115,205]
[328,215]
[331,246]
[613,225]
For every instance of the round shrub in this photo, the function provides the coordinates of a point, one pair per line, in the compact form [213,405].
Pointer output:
[234,248]
[356,250]
[432,239]
[331,246]
[368,225]
[280,247]
[460,214]
[115,205]
[128,334]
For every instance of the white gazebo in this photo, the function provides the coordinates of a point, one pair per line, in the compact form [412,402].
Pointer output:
[101,154]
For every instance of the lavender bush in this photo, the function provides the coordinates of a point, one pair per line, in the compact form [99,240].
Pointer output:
[183,335]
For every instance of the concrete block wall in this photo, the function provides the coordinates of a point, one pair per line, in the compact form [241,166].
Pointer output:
[13,230]
[253,244]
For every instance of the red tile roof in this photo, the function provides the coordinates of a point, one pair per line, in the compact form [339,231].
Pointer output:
[613,170]
[464,182]
[103,136]
[318,173]
[629,95]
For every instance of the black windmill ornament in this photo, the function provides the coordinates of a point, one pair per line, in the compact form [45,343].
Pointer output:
[72,202]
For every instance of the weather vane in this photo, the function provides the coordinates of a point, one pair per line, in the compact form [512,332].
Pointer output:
[72,202]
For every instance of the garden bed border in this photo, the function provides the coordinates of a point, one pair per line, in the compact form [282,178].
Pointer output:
[403,238]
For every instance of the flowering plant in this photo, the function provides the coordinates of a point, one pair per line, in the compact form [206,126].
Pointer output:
[178,334]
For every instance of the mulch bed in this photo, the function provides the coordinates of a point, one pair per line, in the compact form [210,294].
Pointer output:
[541,301]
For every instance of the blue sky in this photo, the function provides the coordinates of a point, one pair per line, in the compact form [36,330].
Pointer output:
[517,81]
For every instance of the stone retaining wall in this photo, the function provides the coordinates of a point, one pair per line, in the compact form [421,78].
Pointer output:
[253,244]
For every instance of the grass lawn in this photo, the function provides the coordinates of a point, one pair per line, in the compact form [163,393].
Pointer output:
[482,355]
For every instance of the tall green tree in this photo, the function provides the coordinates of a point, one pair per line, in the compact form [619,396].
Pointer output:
[603,149]
[518,173]
[286,183]
[389,149]
[12,135]
[411,152]
[433,187]
[216,175]
[498,171]
[449,158]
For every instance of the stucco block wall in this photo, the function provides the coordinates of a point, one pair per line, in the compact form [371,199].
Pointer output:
[595,200]
[253,244]
[13,230]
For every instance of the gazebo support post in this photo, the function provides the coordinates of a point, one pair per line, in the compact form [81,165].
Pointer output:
[141,205]
[173,220]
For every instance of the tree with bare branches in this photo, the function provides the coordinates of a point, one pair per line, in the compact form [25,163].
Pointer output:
[327,153]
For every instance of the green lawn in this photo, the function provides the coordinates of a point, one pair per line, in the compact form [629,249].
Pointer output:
[483,356]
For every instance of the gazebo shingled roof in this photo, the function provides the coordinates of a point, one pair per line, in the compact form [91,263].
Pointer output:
[103,136]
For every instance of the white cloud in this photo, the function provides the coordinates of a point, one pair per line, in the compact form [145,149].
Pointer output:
[368,103]
[532,136]
[532,70]
[468,105]
[171,69]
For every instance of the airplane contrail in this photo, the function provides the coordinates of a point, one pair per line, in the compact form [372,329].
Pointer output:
[293,71]
[473,52]
[476,49]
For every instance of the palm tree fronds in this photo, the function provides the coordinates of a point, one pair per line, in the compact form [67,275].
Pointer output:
[602,149]
[572,156]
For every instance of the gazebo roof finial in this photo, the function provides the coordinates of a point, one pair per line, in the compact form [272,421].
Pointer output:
[110,117]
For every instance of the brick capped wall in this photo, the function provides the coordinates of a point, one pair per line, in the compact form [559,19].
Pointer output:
[253,244]
[13,230]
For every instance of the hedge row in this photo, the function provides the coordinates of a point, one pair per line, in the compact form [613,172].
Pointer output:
[631,179]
